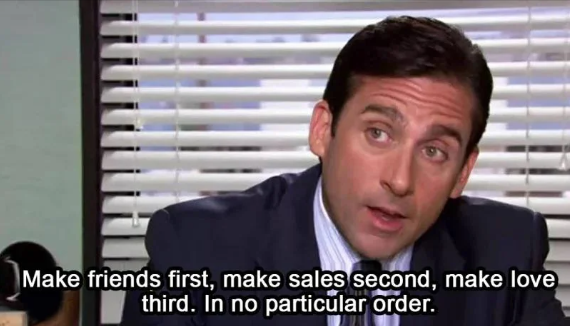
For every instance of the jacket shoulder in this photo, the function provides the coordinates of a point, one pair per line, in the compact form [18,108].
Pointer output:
[233,206]
[497,233]
[217,230]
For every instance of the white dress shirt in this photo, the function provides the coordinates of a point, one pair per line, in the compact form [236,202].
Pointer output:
[336,255]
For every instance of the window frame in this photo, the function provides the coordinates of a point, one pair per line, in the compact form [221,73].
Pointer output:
[89,16]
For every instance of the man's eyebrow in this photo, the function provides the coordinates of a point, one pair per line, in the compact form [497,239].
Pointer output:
[390,112]
[441,130]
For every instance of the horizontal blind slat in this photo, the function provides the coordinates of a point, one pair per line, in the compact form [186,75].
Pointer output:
[298,138]
[119,50]
[195,181]
[293,115]
[324,26]
[288,71]
[150,204]
[291,94]
[236,6]
[123,160]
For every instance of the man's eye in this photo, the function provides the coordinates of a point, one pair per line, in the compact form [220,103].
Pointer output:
[435,153]
[378,134]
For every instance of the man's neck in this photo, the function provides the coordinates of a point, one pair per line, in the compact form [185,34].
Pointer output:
[334,236]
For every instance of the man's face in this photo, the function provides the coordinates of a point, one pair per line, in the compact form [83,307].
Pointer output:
[396,158]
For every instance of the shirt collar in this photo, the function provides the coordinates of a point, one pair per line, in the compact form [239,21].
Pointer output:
[331,241]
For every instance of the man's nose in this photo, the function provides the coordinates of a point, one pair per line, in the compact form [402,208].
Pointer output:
[399,177]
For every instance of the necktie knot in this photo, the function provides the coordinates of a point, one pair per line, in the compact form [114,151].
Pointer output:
[369,266]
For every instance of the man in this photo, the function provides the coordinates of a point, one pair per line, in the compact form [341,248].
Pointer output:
[396,132]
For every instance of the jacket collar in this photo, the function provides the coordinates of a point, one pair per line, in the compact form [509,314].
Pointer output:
[290,242]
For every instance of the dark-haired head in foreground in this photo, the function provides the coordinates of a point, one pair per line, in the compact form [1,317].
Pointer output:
[405,106]
[39,303]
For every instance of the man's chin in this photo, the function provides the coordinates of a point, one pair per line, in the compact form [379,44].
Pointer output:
[380,250]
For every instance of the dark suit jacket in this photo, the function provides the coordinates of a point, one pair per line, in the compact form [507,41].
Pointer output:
[270,226]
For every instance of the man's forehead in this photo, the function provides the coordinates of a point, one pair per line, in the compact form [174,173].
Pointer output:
[420,91]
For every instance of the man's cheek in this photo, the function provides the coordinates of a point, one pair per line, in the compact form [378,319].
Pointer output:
[435,182]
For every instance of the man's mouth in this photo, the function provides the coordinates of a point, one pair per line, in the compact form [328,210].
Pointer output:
[386,219]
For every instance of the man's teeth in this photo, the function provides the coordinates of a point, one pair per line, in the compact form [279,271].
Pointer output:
[387,217]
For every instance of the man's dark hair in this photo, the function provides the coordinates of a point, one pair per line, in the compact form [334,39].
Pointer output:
[412,47]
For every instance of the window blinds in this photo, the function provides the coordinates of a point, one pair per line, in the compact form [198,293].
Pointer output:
[206,97]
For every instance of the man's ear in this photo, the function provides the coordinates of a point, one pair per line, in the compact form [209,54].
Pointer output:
[320,129]
[465,173]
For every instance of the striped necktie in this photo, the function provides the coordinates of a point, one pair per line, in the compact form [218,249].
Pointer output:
[366,319]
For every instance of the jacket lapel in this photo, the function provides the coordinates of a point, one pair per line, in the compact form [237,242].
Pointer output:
[290,244]
[437,251]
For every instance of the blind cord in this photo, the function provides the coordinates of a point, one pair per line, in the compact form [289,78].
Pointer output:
[528,99]
[177,100]
[138,122]
[564,164]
